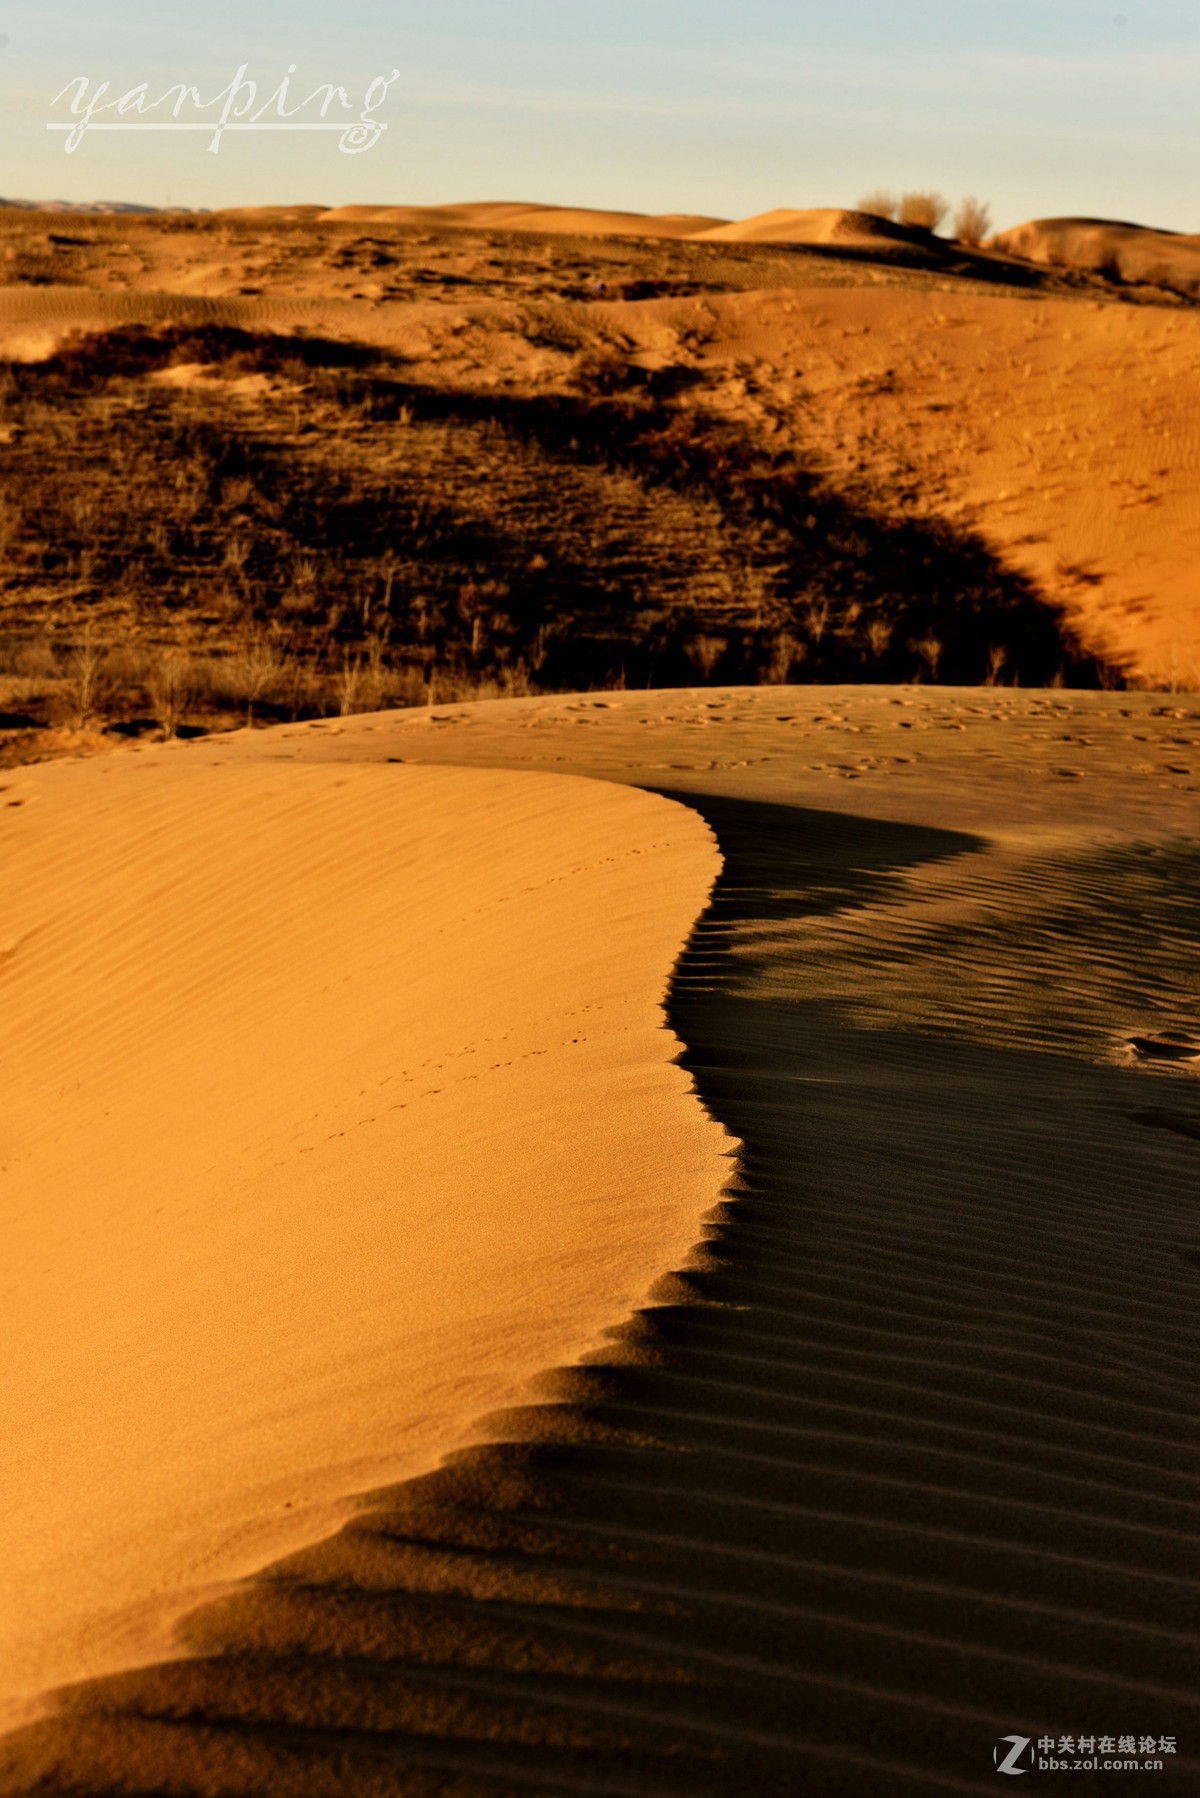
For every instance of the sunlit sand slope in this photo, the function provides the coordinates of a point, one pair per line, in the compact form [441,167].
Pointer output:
[336,1103]
[500,215]
[907,1460]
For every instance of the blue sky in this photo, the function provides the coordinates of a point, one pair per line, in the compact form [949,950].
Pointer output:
[1039,106]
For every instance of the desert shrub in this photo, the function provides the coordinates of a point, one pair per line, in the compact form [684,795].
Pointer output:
[878,633]
[929,649]
[254,673]
[972,221]
[925,211]
[816,619]
[783,656]
[170,681]
[704,651]
[350,686]
[880,204]
[87,685]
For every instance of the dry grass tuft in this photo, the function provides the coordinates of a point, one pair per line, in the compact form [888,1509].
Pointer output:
[924,211]
[972,222]
[350,538]
[930,649]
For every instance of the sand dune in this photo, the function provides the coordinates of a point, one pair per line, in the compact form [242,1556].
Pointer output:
[906,1461]
[1064,432]
[502,215]
[397,1400]
[328,1122]
[819,225]
[1131,253]
[34,322]
[269,215]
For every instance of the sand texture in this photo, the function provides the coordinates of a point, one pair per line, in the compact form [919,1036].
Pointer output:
[328,1123]
[905,1457]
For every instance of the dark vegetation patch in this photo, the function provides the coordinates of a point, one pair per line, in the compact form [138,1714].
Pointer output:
[91,362]
[350,537]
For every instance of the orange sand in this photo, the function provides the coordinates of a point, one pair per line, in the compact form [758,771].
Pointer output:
[331,1115]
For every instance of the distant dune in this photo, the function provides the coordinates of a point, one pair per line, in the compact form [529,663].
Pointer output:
[500,215]
[272,215]
[1130,253]
[820,225]
[90,206]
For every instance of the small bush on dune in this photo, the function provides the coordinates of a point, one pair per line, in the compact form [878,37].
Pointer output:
[169,685]
[929,211]
[704,651]
[972,222]
[924,211]
[87,686]
[255,672]
[929,650]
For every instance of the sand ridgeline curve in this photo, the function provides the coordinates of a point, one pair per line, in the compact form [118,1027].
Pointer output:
[905,1459]
[331,1117]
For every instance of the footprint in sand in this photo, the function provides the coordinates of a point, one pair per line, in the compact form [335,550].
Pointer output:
[1164,1048]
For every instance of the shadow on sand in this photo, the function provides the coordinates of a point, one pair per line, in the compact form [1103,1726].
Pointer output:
[904,1462]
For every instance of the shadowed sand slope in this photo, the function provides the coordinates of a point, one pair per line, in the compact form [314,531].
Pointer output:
[906,1460]
[327,1122]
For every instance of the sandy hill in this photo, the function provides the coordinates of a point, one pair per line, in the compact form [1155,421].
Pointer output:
[810,445]
[270,215]
[820,225]
[581,221]
[1123,252]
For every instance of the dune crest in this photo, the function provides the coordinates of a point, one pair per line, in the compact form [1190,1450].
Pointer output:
[814,225]
[330,1119]
[522,215]
[907,1460]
